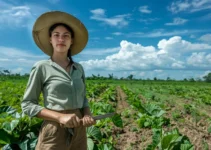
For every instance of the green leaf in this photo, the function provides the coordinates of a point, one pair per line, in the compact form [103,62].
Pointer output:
[7,109]
[167,140]
[146,124]
[106,147]
[33,143]
[9,127]
[116,119]
[4,137]
[90,144]
[94,132]
[11,147]
[186,147]
[24,145]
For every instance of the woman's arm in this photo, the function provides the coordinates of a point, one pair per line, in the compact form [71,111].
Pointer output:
[68,120]
[87,119]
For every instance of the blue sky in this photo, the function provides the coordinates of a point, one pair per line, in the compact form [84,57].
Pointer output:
[166,38]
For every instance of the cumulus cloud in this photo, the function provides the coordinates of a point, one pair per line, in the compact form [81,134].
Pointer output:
[177,21]
[167,56]
[200,59]
[177,45]
[189,6]
[206,38]
[16,16]
[117,21]
[144,9]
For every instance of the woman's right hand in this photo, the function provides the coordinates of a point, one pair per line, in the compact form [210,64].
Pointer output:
[70,120]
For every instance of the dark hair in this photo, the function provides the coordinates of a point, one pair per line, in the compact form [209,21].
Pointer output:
[71,33]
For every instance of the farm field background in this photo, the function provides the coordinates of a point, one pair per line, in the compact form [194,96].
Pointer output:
[151,115]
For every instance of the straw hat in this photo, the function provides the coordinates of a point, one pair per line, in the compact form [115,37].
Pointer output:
[45,21]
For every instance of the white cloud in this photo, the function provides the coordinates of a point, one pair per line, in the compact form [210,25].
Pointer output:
[12,57]
[17,70]
[168,56]
[117,21]
[205,73]
[206,38]
[177,21]
[117,33]
[189,6]
[163,33]
[192,36]
[144,9]
[142,74]
[148,20]
[108,38]
[178,65]
[158,71]
[199,60]
[176,45]
[16,16]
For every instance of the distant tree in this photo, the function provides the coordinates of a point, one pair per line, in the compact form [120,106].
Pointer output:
[130,77]
[207,78]
[122,78]
[191,80]
[198,79]
[185,79]
[6,71]
[168,78]
[155,79]
[110,76]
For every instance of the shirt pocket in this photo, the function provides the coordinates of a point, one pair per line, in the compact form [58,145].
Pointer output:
[61,89]
[78,82]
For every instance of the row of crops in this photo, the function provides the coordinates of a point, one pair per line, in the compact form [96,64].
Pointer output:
[150,115]
[18,131]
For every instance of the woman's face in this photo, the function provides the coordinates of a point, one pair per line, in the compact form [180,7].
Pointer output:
[61,39]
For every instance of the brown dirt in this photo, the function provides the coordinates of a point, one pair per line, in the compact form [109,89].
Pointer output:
[127,139]
[196,131]
[131,137]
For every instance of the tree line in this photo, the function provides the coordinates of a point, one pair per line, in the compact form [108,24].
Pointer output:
[207,78]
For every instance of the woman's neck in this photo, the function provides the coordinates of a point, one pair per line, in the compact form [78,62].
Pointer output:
[59,58]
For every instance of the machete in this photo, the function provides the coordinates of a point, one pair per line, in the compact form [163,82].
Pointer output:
[98,117]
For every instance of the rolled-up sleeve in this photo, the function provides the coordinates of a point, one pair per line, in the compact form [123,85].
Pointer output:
[32,93]
[85,103]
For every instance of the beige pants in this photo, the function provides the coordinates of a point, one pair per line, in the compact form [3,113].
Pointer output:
[53,136]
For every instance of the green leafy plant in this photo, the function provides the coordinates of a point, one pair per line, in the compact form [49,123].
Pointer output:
[171,140]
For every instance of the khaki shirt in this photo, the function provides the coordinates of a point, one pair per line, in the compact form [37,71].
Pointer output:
[61,90]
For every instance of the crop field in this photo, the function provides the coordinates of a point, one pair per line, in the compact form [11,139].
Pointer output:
[151,115]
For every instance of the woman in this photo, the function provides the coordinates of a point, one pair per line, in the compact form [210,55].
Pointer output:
[66,111]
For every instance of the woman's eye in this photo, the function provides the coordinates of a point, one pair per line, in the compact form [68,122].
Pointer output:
[66,36]
[56,35]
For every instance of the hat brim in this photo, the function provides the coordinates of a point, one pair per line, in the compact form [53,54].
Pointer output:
[45,21]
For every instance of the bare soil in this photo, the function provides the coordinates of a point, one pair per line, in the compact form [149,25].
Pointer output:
[131,137]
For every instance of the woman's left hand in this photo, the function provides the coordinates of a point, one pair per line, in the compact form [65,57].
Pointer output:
[88,121]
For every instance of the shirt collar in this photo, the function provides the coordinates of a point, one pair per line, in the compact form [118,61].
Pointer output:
[54,64]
